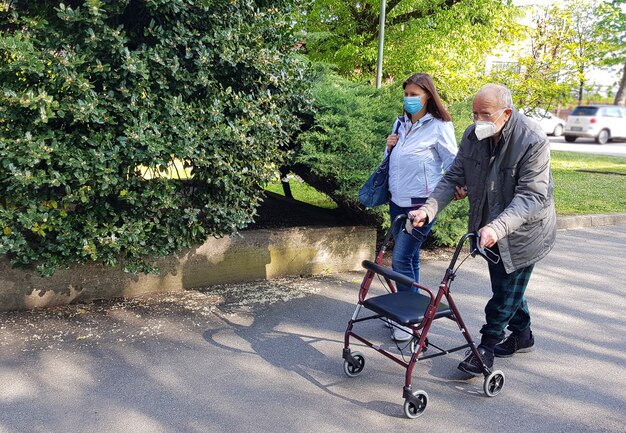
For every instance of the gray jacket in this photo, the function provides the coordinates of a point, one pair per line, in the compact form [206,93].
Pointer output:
[515,182]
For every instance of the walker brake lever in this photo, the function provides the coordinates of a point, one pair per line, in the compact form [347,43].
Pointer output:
[485,252]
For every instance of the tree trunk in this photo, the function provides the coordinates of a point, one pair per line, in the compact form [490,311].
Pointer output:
[352,210]
[284,180]
[581,85]
[620,96]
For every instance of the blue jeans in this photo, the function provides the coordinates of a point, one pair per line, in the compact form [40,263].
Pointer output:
[405,257]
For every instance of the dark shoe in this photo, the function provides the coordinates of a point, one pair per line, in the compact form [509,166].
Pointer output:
[514,343]
[472,365]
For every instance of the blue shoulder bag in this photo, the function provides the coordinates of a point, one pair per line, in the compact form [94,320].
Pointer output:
[375,191]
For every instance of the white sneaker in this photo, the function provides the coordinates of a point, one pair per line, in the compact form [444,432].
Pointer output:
[401,333]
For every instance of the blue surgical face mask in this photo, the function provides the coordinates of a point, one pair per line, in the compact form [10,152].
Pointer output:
[413,104]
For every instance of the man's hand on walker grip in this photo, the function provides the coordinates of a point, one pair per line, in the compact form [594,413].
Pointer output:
[418,217]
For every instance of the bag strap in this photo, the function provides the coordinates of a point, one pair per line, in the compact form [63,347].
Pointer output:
[399,122]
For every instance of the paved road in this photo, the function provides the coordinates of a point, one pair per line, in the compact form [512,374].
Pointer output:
[268,359]
[588,145]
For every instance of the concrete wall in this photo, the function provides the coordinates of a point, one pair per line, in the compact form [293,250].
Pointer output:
[255,255]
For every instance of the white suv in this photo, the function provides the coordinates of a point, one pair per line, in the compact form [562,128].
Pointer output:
[601,122]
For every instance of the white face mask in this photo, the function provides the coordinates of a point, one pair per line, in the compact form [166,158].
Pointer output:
[485,129]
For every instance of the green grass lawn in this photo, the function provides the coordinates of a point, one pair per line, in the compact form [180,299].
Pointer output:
[588,184]
[303,192]
[583,184]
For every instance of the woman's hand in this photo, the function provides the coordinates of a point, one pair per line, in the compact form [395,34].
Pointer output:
[392,140]
[460,192]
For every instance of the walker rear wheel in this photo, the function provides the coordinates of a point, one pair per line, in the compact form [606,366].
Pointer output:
[354,370]
[414,408]
[494,383]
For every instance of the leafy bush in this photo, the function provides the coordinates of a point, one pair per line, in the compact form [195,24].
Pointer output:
[346,139]
[346,142]
[92,90]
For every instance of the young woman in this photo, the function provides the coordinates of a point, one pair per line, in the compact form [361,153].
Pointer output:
[424,146]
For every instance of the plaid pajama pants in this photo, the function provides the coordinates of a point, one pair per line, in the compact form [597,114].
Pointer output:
[508,305]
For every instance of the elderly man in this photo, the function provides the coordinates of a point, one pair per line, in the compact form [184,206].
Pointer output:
[504,161]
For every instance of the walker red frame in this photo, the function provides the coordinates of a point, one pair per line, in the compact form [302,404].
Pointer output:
[415,401]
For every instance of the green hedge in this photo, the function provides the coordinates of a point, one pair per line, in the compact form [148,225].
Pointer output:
[346,141]
[94,93]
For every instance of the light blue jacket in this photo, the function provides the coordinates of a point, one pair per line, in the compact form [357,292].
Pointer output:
[423,152]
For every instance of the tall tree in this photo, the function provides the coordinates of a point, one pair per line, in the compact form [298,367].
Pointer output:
[585,43]
[546,74]
[611,30]
[566,41]
[448,38]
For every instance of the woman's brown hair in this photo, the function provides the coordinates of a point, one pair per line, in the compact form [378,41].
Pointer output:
[434,106]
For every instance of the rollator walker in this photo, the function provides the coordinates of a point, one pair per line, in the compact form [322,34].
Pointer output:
[417,311]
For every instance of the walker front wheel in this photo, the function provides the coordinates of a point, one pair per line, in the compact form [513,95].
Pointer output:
[352,370]
[414,407]
[494,383]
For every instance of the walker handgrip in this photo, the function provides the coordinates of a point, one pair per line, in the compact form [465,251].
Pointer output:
[386,272]
[486,252]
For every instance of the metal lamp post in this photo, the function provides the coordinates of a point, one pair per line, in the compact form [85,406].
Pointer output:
[381,43]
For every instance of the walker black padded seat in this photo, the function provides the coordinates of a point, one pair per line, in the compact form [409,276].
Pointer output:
[405,308]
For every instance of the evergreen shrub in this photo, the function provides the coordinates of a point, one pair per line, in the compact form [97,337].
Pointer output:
[95,93]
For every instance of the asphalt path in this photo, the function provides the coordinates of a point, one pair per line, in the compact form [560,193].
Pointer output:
[588,145]
[235,360]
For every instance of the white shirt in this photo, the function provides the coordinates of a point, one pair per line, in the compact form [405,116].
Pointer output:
[425,149]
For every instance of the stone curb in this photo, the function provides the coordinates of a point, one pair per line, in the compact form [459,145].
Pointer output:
[582,221]
[267,253]
[252,256]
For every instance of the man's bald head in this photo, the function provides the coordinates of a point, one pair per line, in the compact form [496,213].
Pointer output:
[492,108]
[495,95]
